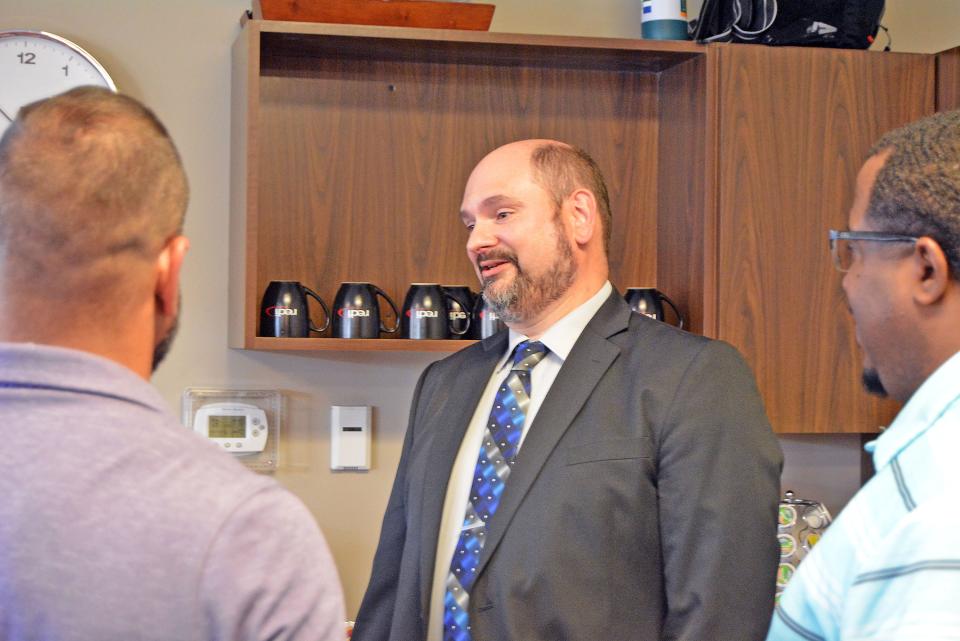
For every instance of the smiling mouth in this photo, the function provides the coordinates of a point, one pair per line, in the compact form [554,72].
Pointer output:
[493,266]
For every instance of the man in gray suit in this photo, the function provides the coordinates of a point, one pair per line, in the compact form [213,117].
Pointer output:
[590,474]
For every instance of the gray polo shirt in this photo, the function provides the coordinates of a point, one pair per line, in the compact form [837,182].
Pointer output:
[118,523]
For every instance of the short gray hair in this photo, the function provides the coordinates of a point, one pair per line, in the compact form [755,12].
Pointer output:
[89,181]
[560,169]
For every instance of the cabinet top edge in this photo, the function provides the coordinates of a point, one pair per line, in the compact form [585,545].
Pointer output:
[290,40]
[472,37]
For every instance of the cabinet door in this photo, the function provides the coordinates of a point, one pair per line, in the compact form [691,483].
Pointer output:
[948,80]
[794,127]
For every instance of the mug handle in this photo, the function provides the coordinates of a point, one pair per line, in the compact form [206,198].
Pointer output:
[396,313]
[463,307]
[326,310]
[676,311]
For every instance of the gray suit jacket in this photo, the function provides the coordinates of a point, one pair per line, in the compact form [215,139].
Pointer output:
[642,505]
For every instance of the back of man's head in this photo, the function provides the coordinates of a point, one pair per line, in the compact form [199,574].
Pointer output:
[91,189]
[917,191]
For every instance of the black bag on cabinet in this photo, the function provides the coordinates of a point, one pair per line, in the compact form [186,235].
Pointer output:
[842,24]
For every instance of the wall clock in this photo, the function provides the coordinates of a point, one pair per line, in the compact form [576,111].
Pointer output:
[37,64]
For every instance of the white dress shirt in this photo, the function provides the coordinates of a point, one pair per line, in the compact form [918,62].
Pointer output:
[559,339]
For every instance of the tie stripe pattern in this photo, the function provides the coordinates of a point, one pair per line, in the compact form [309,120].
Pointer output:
[501,442]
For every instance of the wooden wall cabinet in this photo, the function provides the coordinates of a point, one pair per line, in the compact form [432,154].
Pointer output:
[726,165]
[794,128]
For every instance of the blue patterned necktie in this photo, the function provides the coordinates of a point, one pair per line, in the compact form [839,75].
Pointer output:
[501,441]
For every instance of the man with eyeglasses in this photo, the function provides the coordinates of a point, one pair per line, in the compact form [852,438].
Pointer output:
[889,566]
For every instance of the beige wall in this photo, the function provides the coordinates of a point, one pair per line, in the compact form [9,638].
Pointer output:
[175,55]
[919,26]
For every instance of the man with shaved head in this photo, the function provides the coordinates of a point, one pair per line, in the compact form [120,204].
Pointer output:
[590,473]
[117,523]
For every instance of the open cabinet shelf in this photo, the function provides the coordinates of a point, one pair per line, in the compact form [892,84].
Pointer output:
[726,165]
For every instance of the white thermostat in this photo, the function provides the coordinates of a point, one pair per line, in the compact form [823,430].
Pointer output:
[239,428]
[244,422]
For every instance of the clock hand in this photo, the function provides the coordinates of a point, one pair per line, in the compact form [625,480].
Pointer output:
[5,114]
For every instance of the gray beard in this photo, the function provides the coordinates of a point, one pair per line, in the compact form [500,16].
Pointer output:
[527,296]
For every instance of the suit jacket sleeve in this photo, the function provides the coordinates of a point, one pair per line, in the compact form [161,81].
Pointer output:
[718,489]
[377,608]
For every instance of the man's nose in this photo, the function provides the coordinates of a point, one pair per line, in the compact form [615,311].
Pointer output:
[481,239]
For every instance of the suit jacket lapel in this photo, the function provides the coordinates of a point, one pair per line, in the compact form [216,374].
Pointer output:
[589,359]
[465,390]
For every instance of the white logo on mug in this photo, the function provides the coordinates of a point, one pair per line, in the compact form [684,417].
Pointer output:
[277,310]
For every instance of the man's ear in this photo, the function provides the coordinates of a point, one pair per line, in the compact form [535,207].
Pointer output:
[931,271]
[168,266]
[584,216]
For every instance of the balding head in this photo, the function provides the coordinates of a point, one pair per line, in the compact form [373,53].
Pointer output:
[91,188]
[539,220]
[559,168]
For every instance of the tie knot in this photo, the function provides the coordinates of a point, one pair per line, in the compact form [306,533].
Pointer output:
[528,354]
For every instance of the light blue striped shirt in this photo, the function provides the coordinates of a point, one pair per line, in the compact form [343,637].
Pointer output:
[889,566]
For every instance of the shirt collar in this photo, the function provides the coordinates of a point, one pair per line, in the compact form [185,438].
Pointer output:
[562,335]
[32,365]
[927,404]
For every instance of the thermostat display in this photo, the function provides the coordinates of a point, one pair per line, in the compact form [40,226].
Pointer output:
[236,427]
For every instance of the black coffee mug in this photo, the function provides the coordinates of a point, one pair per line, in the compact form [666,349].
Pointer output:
[284,312]
[426,314]
[486,322]
[649,302]
[460,307]
[356,312]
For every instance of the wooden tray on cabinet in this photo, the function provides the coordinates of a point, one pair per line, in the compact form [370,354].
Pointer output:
[391,13]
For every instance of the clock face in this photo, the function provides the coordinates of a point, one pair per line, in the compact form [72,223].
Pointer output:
[35,65]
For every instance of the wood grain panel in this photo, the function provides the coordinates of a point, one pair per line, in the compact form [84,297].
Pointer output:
[794,127]
[948,80]
[683,197]
[362,163]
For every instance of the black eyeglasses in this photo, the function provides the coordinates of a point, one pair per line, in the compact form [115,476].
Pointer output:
[840,244]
